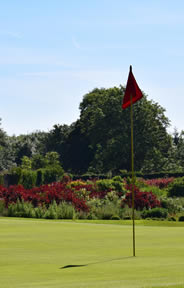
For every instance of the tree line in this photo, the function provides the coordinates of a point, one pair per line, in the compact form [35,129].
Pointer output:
[99,141]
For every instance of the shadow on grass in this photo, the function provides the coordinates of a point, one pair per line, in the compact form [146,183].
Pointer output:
[93,263]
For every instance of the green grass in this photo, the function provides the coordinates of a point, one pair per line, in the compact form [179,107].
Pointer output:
[33,251]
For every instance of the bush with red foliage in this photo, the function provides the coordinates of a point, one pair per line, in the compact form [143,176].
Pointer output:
[142,200]
[159,182]
[11,194]
[44,194]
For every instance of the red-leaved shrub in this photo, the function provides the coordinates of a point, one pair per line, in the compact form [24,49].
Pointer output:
[44,194]
[160,182]
[142,200]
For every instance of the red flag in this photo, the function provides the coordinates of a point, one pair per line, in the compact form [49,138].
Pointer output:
[132,89]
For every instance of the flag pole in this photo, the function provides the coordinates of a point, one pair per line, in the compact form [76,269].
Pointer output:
[133,177]
[132,95]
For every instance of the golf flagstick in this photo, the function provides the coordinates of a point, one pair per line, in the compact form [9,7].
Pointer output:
[132,95]
[133,177]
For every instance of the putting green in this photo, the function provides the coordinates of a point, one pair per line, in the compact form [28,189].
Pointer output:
[33,251]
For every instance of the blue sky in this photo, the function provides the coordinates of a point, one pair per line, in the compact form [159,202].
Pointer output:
[52,52]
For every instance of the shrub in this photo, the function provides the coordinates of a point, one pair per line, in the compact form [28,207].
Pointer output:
[176,188]
[21,209]
[155,190]
[119,187]
[66,211]
[104,185]
[83,215]
[142,200]
[91,216]
[39,211]
[52,174]
[171,218]
[28,179]
[155,213]
[39,177]
[115,217]
[181,218]
[54,211]
[112,197]
[117,178]
[66,178]
[106,211]
[1,179]
[116,183]
[44,194]
[11,194]
[50,213]
[159,182]
[126,213]
[14,175]
[171,205]
[2,207]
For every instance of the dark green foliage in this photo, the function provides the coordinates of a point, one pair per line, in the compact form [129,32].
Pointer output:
[160,174]
[99,142]
[106,126]
[170,204]
[7,155]
[117,179]
[14,176]
[2,207]
[115,184]
[155,213]
[171,219]
[119,187]
[38,161]
[31,178]
[115,217]
[104,184]
[89,175]
[28,178]
[39,177]
[181,218]
[52,174]
[1,179]
[118,184]
[27,145]
[36,171]
[176,188]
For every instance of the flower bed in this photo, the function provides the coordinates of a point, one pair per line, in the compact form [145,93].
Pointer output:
[85,196]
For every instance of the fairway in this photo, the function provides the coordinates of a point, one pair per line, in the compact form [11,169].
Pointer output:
[34,251]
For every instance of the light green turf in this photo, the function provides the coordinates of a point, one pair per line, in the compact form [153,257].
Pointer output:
[32,252]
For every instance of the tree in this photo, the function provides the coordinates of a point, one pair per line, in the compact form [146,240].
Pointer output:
[178,139]
[7,156]
[52,158]
[107,128]
[26,163]
[56,139]
[38,161]
[78,154]
[28,145]
[71,145]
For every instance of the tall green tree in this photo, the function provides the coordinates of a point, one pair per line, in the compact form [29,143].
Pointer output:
[71,144]
[28,145]
[107,128]
[7,156]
